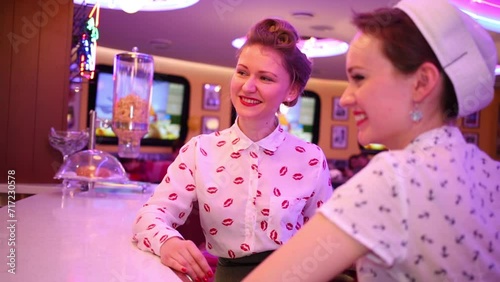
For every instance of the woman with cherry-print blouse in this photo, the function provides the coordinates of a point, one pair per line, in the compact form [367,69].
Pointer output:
[256,185]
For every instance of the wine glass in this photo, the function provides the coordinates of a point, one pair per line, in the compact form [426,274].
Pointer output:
[68,142]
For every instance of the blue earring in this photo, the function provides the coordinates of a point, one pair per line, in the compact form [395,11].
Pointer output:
[416,115]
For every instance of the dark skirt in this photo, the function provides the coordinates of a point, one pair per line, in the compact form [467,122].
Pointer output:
[234,270]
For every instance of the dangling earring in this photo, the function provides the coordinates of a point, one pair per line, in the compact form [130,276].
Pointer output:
[416,115]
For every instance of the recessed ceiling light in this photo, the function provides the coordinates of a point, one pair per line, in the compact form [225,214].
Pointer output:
[132,6]
[322,47]
[312,47]
[303,15]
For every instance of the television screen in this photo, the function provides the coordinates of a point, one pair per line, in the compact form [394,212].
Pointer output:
[301,120]
[168,114]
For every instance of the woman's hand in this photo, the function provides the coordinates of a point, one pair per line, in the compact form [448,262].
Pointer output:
[183,276]
[184,256]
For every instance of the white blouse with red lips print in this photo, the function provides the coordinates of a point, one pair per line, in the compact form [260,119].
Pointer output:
[252,196]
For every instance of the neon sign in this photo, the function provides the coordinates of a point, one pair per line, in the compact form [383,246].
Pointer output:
[87,50]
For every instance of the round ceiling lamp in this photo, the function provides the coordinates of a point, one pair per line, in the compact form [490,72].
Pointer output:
[133,6]
[312,47]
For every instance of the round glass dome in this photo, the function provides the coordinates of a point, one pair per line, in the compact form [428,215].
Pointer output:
[92,166]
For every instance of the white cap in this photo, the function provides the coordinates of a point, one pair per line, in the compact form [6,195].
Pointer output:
[465,50]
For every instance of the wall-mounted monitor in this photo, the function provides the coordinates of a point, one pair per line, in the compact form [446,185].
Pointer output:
[168,114]
[301,120]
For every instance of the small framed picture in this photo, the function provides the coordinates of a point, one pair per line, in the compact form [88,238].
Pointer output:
[338,112]
[472,120]
[211,97]
[339,136]
[470,137]
[209,124]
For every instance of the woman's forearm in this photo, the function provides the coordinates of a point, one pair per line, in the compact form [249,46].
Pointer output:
[318,252]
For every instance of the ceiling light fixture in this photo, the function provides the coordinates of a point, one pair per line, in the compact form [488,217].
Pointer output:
[133,6]
[312,47]
[494,5]
[130,6]
[487,23]
[486,13]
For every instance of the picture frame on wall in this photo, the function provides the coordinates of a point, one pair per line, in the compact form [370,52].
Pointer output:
[211,97]
[338,112]
[471,137]
[339,136]
[209,124]
[471,121]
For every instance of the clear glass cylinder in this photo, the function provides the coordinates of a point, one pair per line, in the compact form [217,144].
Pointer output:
[133,84]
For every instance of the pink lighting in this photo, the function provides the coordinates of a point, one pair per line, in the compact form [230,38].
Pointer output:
[486,13]
[487,3]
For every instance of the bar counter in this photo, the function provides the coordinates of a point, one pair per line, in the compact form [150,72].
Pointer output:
[74,236]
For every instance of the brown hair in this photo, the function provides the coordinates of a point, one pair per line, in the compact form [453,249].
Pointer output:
[282,37]
[405,46]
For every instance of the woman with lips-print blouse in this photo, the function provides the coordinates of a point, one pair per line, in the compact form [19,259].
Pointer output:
[256,185]
[429,208]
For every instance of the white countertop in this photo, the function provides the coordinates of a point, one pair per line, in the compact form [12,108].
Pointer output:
[76,236]
[31,188]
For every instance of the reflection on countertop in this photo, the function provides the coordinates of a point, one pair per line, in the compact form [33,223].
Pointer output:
[69,235]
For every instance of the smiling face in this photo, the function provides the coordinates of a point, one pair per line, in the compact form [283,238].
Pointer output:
[259,85]
[379,96]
